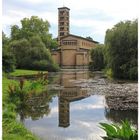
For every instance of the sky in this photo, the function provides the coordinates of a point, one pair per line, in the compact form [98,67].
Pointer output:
[87,17]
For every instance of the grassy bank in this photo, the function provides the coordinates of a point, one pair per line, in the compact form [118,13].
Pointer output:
[21,72]
[12,129]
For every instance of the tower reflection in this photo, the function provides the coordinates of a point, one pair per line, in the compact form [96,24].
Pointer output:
[69,94]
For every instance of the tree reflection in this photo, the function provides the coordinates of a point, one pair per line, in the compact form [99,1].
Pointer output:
[34,106]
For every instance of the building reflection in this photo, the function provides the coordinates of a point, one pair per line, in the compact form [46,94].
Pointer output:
[69,94]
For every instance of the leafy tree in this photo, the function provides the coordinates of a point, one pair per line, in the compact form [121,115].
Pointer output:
[121,49]
[16,32]
[97,58]
[8,59]
[20,48]
[31,44]
[89,38]
[5,40]
[33,54]
[33,26]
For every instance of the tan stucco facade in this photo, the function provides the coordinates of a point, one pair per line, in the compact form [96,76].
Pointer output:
[73,52]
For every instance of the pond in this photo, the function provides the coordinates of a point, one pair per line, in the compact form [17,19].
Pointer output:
[70,112]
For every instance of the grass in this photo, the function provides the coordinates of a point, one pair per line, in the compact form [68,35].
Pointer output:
[5,83]
[13,130]
[21,72]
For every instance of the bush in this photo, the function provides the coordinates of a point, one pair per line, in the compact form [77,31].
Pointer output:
[8,62]
[109,73]
[97,58]
[133,73]
[119,132]
[33,55]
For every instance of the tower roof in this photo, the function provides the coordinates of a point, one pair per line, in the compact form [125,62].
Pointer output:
[64,8]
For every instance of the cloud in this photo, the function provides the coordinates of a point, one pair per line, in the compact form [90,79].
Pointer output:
[91,16]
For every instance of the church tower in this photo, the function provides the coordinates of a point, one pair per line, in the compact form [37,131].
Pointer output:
[63,22]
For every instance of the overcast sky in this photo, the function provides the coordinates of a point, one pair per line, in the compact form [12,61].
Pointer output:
[87,17]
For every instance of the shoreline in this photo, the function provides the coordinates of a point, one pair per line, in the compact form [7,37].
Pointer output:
[118,96]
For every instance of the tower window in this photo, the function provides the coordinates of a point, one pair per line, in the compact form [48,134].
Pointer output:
[61,23]
[61,28]
[61,12]
[61,18]
[62,34]
[67,13]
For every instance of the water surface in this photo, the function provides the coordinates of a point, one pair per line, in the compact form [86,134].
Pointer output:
[69,112]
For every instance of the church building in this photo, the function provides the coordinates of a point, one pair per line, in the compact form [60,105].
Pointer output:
[73,50]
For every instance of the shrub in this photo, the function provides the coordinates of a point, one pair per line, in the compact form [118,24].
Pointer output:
[8,61]
[97,58]
[119,132]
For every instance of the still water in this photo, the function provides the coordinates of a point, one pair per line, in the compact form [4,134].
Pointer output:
[69,112]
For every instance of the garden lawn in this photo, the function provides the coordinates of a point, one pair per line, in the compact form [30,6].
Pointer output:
[21,72]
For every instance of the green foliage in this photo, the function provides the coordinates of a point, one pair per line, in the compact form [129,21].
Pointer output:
[29,46]
[11,128]
[97,57]
[33,54]
[5,40]
[123,132]
[108,73]
[45,65]
[20,49]
[122,49]
[8,59]
[16,98]
[33,26]
[89,38]
[22,72]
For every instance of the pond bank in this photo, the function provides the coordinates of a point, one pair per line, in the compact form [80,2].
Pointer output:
[120,95]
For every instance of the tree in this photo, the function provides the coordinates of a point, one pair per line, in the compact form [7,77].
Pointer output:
[33,26]
[31,44]
[8,59]
[89,38]
[20,48]
[121,49]
[33,54]
[5,40]
[97,58]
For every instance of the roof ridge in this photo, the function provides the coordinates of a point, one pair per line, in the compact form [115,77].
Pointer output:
[79,37]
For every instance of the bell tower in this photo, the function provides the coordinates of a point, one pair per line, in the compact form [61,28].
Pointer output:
[63,22]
